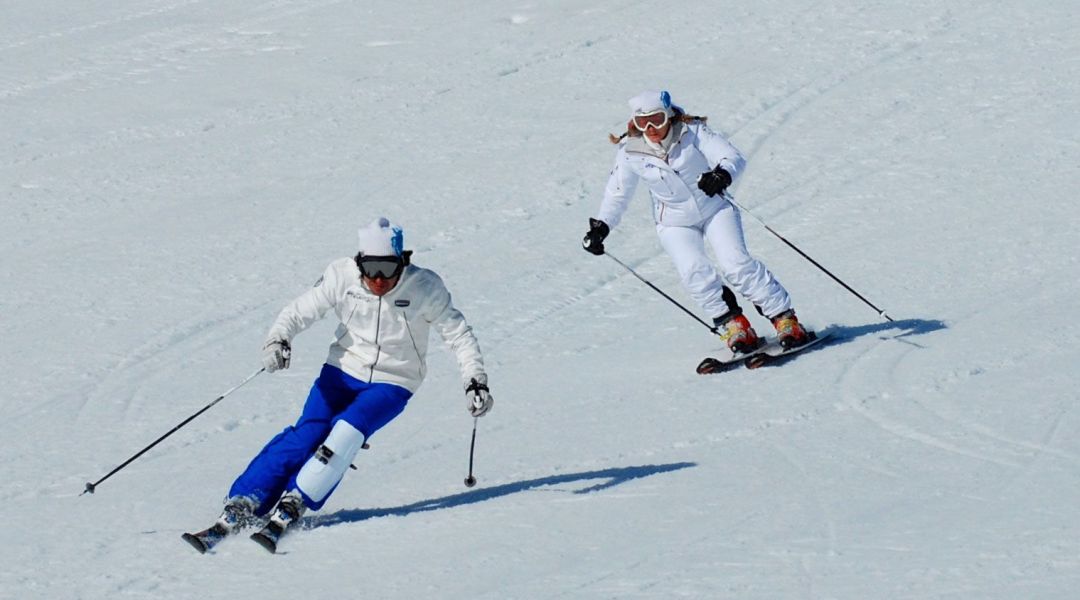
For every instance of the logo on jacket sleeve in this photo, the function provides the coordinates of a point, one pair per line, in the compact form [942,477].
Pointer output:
[402,303]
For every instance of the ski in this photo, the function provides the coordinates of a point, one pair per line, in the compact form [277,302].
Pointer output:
[205,540]
[288,511]
[711,365]
[774,353]
[771,352]
[268,536]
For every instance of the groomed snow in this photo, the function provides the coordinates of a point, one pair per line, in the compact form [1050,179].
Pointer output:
[173,171]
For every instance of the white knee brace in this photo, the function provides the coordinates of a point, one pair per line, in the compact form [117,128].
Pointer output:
[325,469]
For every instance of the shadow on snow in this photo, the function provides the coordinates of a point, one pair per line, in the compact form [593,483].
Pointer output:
[906,329]
[613,476]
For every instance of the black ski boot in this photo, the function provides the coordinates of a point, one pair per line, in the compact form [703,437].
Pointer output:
[287,512]
[239,512]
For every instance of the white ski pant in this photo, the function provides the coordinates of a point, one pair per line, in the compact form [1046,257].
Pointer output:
[746,275]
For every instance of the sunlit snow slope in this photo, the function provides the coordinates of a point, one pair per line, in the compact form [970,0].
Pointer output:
[172,172]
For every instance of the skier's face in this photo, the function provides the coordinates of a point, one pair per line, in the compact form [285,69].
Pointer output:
[380,286]
[380,273]
[654,126]
[656,135]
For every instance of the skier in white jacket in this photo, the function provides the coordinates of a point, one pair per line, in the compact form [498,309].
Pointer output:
[386,307]
[687,168]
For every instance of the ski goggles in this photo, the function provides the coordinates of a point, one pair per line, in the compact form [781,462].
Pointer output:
[380,267]
[656,120]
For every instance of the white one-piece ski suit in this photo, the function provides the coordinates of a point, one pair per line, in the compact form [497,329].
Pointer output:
[686,217]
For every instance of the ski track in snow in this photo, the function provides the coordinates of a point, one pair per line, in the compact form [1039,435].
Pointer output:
[860,401]
[162,357]
[778,113]
[161,49]
[180,49]
[54,36]
[950,435]
[546,518]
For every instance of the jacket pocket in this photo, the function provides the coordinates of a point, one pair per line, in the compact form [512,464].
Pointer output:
[660,182]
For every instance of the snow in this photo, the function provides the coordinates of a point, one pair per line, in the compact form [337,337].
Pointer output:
[173,171]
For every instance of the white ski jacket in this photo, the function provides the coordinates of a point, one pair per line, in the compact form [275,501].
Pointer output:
[672,179]
[383,339]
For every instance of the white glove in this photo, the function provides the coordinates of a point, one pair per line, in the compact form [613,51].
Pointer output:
[276,355]
[479,396]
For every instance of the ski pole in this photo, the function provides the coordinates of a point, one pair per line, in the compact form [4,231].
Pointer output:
[807,257]
[90,487]
[470,480]
[661,292]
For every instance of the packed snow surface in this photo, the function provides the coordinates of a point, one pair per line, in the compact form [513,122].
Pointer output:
[172,172]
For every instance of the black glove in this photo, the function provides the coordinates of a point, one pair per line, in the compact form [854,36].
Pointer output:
[714,182]
[594,240]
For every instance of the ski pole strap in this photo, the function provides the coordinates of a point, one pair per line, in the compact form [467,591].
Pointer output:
[475,386]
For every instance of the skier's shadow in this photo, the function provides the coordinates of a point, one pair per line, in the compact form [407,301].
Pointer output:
[612,477]
[907,328]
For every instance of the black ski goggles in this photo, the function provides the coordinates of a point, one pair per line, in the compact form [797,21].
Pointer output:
[380,267]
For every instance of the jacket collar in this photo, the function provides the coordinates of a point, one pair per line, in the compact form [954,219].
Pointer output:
[638,145]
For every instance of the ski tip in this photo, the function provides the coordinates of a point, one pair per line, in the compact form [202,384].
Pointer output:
[710,366]
[195,542]
[758,360]
[707,366]
[265,542]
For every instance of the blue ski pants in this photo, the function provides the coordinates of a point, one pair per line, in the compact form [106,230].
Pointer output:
[334,396]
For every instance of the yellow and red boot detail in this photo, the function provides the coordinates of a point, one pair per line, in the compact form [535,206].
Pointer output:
[739,335]
[789,332]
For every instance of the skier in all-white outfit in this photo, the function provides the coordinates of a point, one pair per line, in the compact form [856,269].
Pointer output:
[386,308]
[687,168]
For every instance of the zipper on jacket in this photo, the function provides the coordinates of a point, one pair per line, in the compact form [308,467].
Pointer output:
[412,338]
[378,350]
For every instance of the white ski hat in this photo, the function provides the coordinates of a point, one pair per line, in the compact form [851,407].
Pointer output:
[651,101]
[381,238]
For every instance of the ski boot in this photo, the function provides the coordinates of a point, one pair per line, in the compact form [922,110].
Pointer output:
[287,512]
[789,332]
[737,333]
[239,512]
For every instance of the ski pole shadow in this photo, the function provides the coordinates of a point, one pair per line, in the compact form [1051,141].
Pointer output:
[905,328]
[613,477]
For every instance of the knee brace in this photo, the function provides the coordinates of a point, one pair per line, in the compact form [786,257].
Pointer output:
[325,469]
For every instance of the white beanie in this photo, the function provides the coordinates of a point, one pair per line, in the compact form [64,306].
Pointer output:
[651,101]
[381,238]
